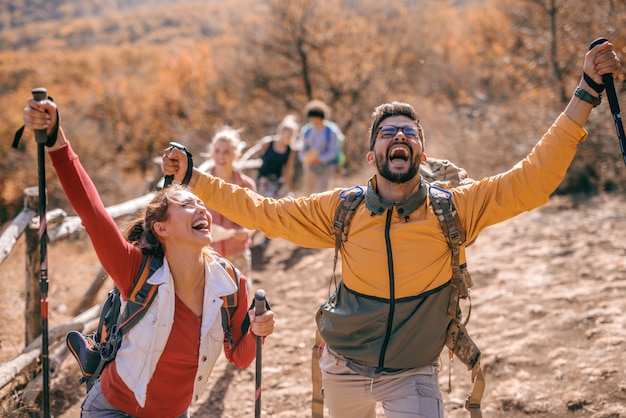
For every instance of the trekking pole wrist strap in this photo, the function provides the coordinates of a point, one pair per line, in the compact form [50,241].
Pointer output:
[189,172]
[598,88]
[51,139]
[189,168]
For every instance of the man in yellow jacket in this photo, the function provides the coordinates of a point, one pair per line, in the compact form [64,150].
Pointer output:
[389,324]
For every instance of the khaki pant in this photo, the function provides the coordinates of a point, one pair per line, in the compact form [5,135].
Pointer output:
[408,393]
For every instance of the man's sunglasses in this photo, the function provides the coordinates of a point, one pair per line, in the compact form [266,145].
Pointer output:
[391,131]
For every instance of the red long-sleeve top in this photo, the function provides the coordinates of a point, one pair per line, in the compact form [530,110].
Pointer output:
[171,387]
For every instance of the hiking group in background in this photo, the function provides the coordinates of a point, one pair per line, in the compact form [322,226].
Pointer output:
[164,361]
[390,316]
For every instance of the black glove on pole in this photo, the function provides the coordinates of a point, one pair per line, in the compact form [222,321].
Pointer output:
[607,79]
[41,138]
[259,309]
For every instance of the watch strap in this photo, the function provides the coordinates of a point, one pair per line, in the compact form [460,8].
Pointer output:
[587,97]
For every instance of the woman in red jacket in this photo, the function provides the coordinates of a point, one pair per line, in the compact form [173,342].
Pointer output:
[164,361]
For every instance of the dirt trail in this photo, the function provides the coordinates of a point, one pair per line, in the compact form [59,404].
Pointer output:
[548,313]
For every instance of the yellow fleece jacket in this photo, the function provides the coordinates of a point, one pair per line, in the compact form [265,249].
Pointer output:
[420,257]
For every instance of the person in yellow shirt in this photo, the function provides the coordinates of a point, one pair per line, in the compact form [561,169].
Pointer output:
[388,327]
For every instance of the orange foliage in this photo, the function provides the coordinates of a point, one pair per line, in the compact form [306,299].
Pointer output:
[486,76]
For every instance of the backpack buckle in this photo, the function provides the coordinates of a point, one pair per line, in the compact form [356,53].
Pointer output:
[108,350]
[474,409]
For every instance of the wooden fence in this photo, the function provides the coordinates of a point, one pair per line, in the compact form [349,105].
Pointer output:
[60,226]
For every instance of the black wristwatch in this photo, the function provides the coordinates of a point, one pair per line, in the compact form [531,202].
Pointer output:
[585,96]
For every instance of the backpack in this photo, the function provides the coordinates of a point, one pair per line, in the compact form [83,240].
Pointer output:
[439,174]
[331,127]
[96,350]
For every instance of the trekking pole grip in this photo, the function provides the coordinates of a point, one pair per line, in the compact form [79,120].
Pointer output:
[611,95]
[259,302]
[607,79]
[39,94]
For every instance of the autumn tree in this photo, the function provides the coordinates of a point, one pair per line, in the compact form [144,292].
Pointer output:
[486,77]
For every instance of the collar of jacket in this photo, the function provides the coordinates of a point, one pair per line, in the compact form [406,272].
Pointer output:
[378,205]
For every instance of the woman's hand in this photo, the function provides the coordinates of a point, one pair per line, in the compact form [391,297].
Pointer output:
[43,115]
[262,325]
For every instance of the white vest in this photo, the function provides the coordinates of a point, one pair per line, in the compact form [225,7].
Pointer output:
[143,345]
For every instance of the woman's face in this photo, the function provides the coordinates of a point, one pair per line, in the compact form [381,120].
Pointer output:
[223,153]
[188,221]
[285,135]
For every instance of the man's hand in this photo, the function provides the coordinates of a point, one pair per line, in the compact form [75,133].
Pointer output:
[174,163]
[600,60]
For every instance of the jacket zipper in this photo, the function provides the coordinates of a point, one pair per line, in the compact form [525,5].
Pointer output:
[392,290]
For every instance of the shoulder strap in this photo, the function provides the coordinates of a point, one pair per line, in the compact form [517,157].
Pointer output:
[441,201]
[457,338]
[229,302]
[350,200]
[110,332]
[142,294]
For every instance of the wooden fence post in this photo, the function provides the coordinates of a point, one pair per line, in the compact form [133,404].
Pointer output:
[32,292]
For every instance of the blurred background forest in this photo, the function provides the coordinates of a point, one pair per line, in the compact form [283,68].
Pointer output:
[486,76]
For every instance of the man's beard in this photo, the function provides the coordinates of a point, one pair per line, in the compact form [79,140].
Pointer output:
[396,177]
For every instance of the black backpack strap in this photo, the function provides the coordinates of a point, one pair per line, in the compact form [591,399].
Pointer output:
[112,327]
[141,296]
[457,338]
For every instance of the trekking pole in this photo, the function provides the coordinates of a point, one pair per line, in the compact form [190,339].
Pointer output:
[259,309]
[41,137]
[607,79]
